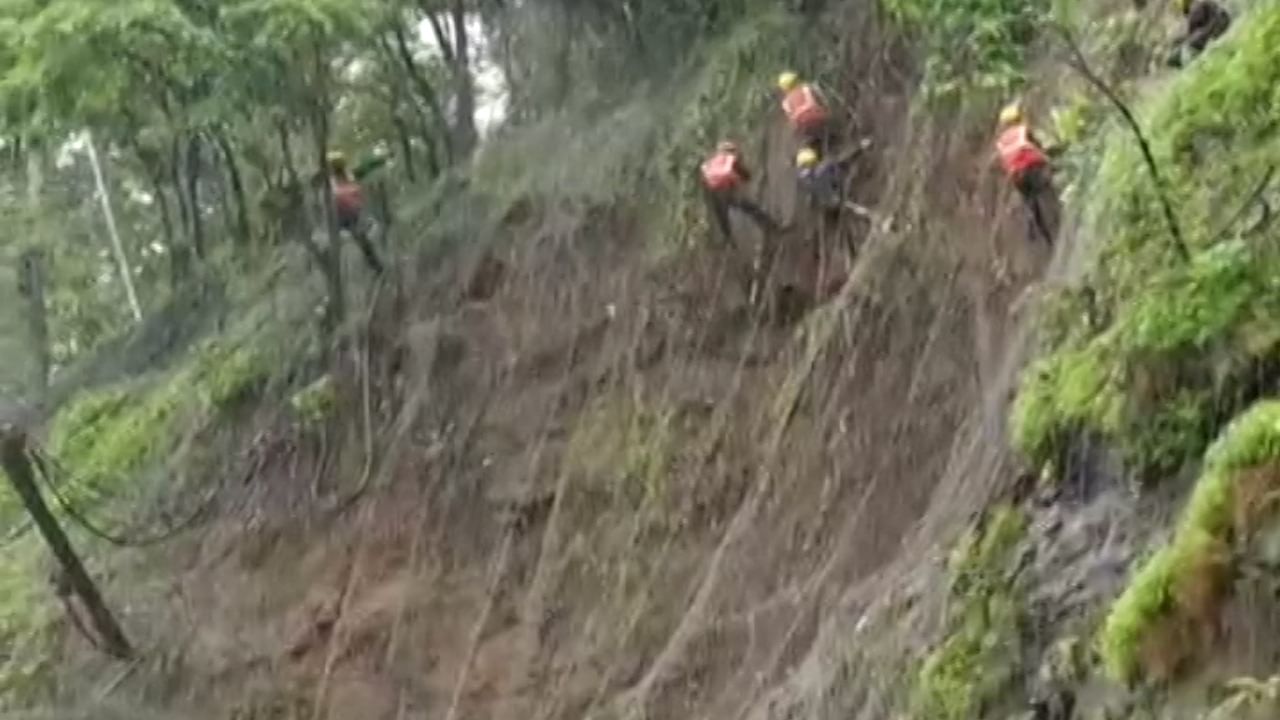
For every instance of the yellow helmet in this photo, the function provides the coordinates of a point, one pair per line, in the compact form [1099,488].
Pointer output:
[806,158]
[787,81]
[336,159]
[1012,113]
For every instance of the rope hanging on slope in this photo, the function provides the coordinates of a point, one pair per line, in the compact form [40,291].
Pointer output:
[43,464]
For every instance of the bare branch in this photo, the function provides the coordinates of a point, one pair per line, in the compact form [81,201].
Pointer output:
[1080,64]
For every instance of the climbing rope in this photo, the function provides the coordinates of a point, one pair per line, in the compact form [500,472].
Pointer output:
[46,469]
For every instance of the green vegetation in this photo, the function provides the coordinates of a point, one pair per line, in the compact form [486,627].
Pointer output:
[1183,582]
[629,445]
[972,44]
[980,653]
[1172,346]
[26,614]
[105,436]
[315,403]
[1146,383]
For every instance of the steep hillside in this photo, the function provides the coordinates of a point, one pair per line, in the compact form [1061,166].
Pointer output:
[567,461]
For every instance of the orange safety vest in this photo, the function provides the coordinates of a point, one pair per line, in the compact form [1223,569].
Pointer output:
[803,108]
[1017,151]
[348,199]
[720,171]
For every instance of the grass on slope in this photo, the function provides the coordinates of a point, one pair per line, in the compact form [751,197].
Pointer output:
[106,435]
[111,443]
[1172,347]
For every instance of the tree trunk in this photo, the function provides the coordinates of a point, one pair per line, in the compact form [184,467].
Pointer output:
[180,262]
[176,276]
[428,95]
[35,178]
[154,167]
[336,308]
[31,281]
[31,284]
[193,195]
[406,145]
[17,465]
[122,263]
[244,231]
[294,221]
[222,188]
[464,84]
[427,132]
[457,55]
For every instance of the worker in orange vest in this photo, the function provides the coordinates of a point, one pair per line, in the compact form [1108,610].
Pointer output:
[805,109]
[348,206]
[1026,164]
[723,176]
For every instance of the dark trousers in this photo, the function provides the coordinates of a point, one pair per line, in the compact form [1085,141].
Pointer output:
[351,223]
[721,201]
[1035,185]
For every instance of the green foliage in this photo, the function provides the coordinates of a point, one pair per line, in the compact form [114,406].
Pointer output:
[226,375]
[1148,597]
[1143,383]
[189,102]
[1251,440]
[15,343]
[1181,339]
[630,445]
[108,435]
[315,403]
[105,437]
[1206,525]
[980,653]
[1060,394]
[972,44]
[26,617]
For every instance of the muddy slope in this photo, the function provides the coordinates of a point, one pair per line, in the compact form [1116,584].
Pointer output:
[588,487]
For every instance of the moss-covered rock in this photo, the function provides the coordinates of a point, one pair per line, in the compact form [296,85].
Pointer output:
[1159,622]
[981,652]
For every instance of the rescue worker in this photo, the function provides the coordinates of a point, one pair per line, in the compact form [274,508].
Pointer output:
[806,110]
[1026,164]
[1206,21]
[348,206]
[823,178]
[723,176]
